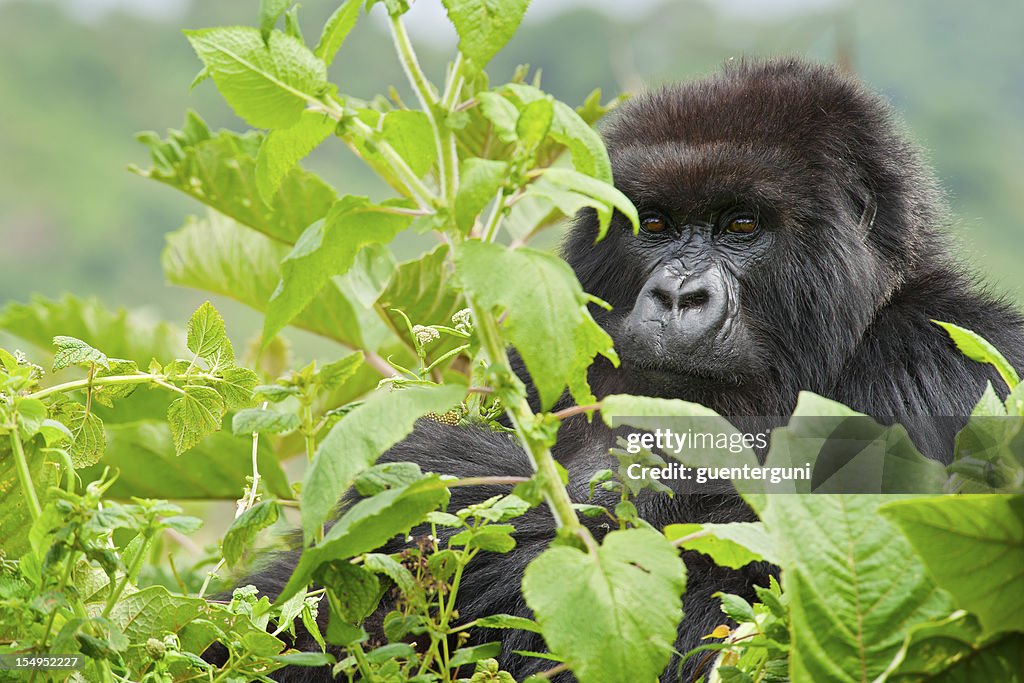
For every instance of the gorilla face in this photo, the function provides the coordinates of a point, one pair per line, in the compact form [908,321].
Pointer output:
[773,229]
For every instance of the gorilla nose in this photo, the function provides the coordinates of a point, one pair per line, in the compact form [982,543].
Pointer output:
[688,308]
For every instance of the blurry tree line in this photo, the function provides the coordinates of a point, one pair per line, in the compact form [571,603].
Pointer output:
[72,95]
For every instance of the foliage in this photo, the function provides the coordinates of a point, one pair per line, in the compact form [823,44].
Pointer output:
[869,592]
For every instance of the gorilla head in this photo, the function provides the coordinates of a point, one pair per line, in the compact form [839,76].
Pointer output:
[780,210]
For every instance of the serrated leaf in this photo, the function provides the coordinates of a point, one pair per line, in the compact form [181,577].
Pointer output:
[422,289]
[334,375]
[236,385]
[337,28]
[976,347]
[535,122]
[243,530]
[368,525]
[632,584]
[502,114]
[72,351]
[106,394]
[205,333]
[327,248]
[855,586]
[270,12]
[267,84]
[264,422]
[545,308]
[220,256]
[484,26]
[220,171]
[508,621]
[86,430]
[355,443]
[973,547]
[194,415]
[606,194]
[479,181]
[282,149]
[729,545]
[352,591]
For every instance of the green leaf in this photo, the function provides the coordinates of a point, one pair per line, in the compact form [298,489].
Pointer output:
[236,385]
[854,585]
[605,193]
[15,517]
[952,651]
[106,394]
[508,621]
[849,452]
[267,84]
[648,414]
[221,172]
[72,351]
[502,114]
[729,545]
[264,422]
[422,289]
[352,591]
[535,122]
[631,586]
[367,525]
[327,248]
[216,468]
[484,26]
[282,149]
[220,256]
[305,659]
[974,548]
[336,30]
[86,431]
[355,443]
[243,530]
[206,334]
[152,610]
[479,181]
[976,347]
[468,655]
[334,375]
[270,12]
[546,316]
[735,607]
[194,415]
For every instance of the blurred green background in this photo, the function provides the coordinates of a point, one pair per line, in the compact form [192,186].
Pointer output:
[78,78]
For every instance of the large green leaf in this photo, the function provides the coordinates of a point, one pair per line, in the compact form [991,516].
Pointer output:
[367,525]
[484,26]
[143,454]
[327,248]
[855,584]
[631,587]
[119,333]
[282,149]
[355,443]
[848,452]
[15,517]
[223,172]
[217,255]
[976,347]
[421,288]
[267,83]
[546,318]
[974,548]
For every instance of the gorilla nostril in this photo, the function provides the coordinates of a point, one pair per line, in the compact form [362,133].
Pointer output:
[693,300]
[667,300]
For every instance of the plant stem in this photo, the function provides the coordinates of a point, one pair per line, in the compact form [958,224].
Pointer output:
[521,415]
[28,488]
[494,220]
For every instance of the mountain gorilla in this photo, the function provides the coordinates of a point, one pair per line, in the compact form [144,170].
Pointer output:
[791,239]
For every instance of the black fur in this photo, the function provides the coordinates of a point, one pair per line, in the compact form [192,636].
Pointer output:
[853,265]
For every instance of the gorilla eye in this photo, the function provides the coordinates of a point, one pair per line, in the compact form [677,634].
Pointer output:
[653,224]
[743,225]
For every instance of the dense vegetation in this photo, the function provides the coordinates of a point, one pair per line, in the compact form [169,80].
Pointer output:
[873,587]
